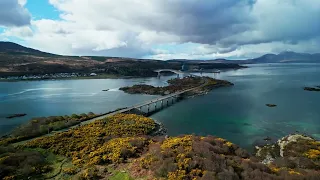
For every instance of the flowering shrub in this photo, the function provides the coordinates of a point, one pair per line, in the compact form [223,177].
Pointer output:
[94,144]
[313,154]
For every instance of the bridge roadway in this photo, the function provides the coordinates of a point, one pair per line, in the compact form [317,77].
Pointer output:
[170,70]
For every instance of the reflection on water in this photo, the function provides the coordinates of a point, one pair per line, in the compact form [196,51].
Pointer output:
[237,113]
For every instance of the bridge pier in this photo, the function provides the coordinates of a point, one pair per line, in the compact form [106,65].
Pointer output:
[161,103]
[155,106]
[148,108]
[159,75]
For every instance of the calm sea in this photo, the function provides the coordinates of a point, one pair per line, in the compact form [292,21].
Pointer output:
[236,113]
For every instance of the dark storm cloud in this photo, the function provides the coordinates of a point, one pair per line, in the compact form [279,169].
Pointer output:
[235,22]
[289,22]
[201,21]
[13,14]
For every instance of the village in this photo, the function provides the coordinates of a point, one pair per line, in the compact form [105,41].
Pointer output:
[47,76]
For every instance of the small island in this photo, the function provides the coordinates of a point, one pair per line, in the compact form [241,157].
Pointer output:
[205,84]
[15,116]
[271,105]
[317,88]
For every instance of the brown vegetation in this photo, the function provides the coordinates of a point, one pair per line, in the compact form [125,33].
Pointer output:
[123,143]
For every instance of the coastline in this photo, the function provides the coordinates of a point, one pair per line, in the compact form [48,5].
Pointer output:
[109,76]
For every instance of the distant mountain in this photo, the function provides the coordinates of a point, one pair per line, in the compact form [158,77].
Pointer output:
[287,57]
[16,49]
[284,57]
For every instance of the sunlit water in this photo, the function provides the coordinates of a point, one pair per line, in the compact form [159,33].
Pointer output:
[236,113]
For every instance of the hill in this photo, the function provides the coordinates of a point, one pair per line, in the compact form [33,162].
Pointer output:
[16,49]
[288,57]
[17,60]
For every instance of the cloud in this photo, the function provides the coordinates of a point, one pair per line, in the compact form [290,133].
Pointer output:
[288,21]
[22,2]
[12,13]
[20,32]
[105,26]
[189,29]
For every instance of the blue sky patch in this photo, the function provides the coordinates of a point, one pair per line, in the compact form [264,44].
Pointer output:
[42,9]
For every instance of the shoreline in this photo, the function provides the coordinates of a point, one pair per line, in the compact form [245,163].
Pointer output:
[109,76]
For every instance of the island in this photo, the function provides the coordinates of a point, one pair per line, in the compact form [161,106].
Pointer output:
[205,84]
[16,115]
[271,105]
[317,88]
[124,146]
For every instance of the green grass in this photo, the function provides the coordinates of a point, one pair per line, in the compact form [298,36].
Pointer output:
[57,162]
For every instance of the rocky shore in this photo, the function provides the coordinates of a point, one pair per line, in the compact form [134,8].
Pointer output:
[293,151]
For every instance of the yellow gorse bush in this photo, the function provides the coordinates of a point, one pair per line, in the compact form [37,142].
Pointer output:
[174,143]
[313,154]
[89,144]
[115,149]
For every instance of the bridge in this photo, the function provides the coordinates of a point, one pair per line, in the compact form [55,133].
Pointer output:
[178,72]
[169,70]
[158,104]
[154,105]
[163,101]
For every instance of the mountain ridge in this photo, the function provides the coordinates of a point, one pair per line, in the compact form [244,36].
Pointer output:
[283,57]
[10,47]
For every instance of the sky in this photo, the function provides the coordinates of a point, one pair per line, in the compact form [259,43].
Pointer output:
[163,29]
